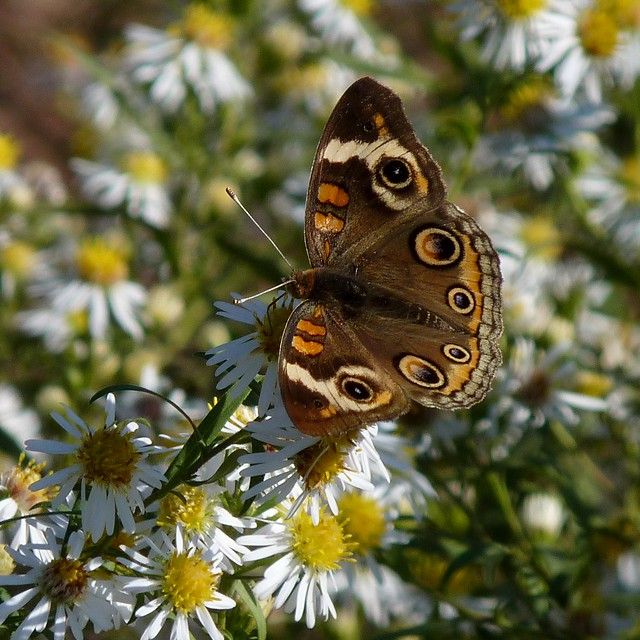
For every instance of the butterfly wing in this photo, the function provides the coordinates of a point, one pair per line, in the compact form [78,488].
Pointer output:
[437,325]
[330,382]
[367,145]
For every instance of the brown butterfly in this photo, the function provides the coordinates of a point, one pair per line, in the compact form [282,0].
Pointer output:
[402,301]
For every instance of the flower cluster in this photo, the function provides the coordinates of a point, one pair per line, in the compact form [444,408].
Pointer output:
[199,509]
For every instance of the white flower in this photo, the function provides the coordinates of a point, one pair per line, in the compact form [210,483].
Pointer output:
[585,48]
[181,581]
[614,187]
[338,25]
[238,362]
[172,65]
[140,190]
[531,390]
[541,152]
[89,289]
[312,471]
[513,37]
[301,579]
[111,485]
[20,499]
[62,582]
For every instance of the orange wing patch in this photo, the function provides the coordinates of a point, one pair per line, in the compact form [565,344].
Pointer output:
[332,194]
[309,336]
[328,223]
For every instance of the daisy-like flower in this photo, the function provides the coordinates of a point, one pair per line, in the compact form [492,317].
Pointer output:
[65,587]
[511,28]
[302,578]
[586,44]
[531,388]
[88,290]
[613,185]
[201,515]
[139,187]
[536,133]
[189,55]
[109,464]
[312,470]
[20,498]
[182,581]
[366,520]
[238,362]
[339,24]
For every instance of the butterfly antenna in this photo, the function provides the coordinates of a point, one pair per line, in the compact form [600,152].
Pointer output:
[235,198]
[269,290]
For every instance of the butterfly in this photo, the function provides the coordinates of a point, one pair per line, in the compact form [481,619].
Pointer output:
[402,302]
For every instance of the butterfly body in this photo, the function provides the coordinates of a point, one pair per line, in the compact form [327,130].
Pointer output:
[402,300]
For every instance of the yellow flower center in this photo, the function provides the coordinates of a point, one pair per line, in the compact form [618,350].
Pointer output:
[18,258]
[520,9]
[9,152]
[7,565]
[359,7]
[593,384]
[209,28]
[362,520]
[18,481]
[100,263]
[145,167]
[542,237]
[109,458]
[598,33]
[321,547]
[630,178]
[319,463]
[188,581]
[526,105]
[64,580]
[191,508]
[626,13]
[270,331]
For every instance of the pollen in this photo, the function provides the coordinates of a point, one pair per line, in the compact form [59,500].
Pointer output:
[109,458]
[598,33]
[209,28]
[189,506]
[101,263]
[520,9]
[363,520]
[18,258]
[9,152]
[20,478]
[321,547]
[630,178]
[64,580]
[319,463]
[145,167]
[188,582]
[7,564]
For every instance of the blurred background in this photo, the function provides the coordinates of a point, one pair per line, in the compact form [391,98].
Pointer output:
[121,124]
